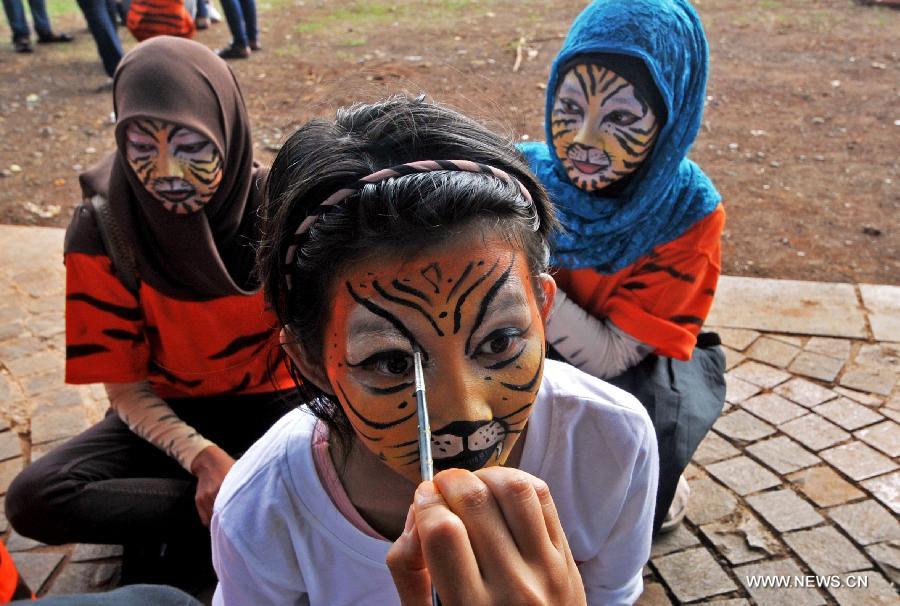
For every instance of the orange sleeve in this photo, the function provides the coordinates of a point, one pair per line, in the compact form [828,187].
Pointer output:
[664,297]
[105,341]
[12,587]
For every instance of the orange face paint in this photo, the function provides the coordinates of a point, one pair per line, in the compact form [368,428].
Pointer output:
[470,308]
[177,166]
[601,130]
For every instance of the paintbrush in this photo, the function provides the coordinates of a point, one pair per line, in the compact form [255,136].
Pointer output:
[426,464]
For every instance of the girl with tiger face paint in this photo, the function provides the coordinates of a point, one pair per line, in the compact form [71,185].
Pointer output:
[602,129]
[403,227]
[479,324]
[639,260]
[179,167]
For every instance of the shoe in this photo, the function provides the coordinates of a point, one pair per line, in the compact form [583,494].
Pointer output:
[678,508]
[234,52]
[254,46]
[53,38]
[22,45]
[201,22]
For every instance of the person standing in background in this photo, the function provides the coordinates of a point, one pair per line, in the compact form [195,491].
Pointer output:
[21,35]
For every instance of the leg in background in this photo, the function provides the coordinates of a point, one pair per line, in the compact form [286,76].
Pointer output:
[101,23]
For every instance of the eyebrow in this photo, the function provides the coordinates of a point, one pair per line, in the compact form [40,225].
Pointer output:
[386,315]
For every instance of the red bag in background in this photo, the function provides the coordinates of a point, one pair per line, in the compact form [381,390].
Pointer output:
[148,18]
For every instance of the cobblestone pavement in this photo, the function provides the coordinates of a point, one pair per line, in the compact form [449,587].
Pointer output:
[799,482]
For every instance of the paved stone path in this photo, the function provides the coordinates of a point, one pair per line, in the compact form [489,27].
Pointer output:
[800,477]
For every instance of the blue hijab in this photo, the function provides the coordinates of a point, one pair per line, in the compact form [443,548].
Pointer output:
[669,193]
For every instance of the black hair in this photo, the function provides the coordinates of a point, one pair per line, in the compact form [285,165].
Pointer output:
[398,216]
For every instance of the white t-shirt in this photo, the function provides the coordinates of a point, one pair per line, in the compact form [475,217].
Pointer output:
[278,538]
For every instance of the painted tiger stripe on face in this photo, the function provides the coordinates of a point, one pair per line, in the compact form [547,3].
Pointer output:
[601,129]
[182,169]
[476,320]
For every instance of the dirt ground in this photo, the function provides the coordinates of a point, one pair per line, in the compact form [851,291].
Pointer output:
[801,131]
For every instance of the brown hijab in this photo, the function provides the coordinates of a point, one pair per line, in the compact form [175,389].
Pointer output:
[208,253]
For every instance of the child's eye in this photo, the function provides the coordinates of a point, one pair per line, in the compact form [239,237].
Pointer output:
[569,106]
[622,118]
[392,363]
[192,148]
[499,342]
[141,148]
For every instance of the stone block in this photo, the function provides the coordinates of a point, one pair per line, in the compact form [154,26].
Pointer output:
[887,558]
[783,454]
[37,385]
[679,539]
[709,502]
[870,379]
[10,445]
[826,551]
[884,436]
[14,349]
[732,357]
[743,476]
[827,346]
[8,470]
[770,596]
[858,461]
[57,424]
[784,510]
[739,425]
[34,364]
[789,339]
[39,450]
[866,522]
[11,330]
[737,338]
[741,539]
[761,375]
[814,432]
[86,578]
[772,351]
[805,393]
[788,306]
[773,408]
[16,542]
[847,413]
[714,448]
[738,390]
[45,326]
[864,588]
[886,489]
[817,366]
[866,399]
[824,487]
[693,574]
[36,568]
[880,355]
[883,305]
[85,552]
[654,595]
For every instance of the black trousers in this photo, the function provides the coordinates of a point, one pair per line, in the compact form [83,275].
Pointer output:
[109,485]
[683,399]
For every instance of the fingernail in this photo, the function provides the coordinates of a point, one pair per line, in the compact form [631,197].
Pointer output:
[427,495]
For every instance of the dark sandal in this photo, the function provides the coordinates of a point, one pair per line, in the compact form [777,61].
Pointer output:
[54,38]
[22,45]
[234,52]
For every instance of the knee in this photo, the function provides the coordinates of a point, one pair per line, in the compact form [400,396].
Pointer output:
[27,501]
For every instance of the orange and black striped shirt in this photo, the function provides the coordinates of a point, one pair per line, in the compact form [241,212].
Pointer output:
[663,298]
[227,345]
